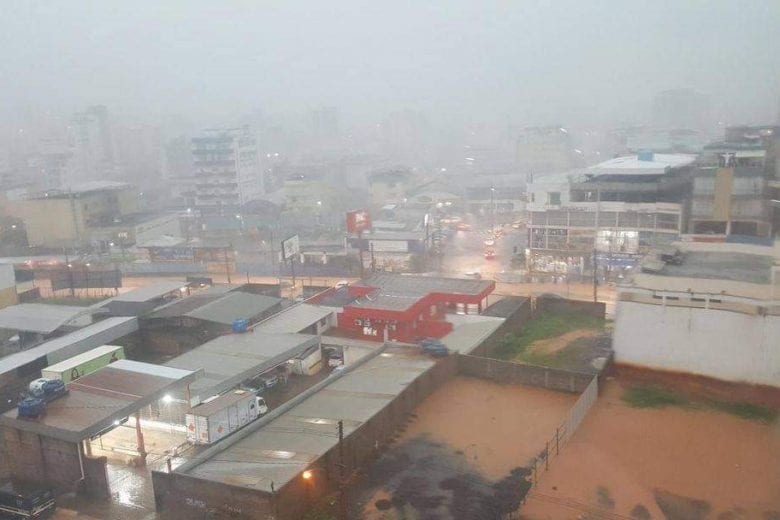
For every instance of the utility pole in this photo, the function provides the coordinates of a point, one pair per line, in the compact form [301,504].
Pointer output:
[70,273]
[227,263]
[595,278]
[360,253]
[373,260]
[342,494]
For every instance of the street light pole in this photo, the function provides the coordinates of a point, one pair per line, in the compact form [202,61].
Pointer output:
[595,278]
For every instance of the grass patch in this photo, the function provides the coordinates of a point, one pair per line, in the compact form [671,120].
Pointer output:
[746,410]
[543,327]
[654,397]
[562,358]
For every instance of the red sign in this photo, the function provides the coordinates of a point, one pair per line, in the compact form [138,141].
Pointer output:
[358,220]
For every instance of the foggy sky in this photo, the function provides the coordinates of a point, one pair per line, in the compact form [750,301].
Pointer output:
[534,61]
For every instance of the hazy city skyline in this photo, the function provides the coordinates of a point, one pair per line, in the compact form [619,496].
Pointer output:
[529,62]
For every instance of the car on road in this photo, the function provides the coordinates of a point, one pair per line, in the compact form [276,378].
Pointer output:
[463,227]
[489,242]
[490,254]
[473,274]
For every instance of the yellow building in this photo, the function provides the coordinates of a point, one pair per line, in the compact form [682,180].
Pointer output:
[8,294]
[64,218]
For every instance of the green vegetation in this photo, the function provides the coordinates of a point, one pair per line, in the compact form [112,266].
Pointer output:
[654,397]
[515,346]
[563,358]
[746,410]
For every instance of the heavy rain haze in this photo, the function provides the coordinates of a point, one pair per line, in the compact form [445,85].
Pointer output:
[524,62]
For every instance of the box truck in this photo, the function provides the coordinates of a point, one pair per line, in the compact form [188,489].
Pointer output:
[219,416]
[83,364]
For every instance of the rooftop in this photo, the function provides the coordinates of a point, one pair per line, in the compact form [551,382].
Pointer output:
[230,359]
[658,164]
[714,268]
[278,451]
[422,285]
[233,306]
[39,317]
[293,319]
[76,342]
[86,187]
[150,292]
[395,292]
[98,399]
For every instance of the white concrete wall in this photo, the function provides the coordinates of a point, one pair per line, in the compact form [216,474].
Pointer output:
[722,344]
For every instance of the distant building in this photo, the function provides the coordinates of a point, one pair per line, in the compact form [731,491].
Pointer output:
[310,193]
[502,193]
[546,150]
[93,141]
[226,169]
[706,309]
[8,295]
[681,108]
[95,214]
[621,208]
[733,188]
[325,123]
[388,186]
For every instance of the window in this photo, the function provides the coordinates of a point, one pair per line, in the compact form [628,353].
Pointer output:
[554,198]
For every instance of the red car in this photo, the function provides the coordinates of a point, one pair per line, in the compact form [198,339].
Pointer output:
[490,254]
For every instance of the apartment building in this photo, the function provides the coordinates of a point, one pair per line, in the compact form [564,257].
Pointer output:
[226,169]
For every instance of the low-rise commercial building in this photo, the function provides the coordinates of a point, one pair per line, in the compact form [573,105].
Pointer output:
[389,306]
[732,190]
[620,208]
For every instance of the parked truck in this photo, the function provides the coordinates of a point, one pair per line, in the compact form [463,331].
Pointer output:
[40,392]
[84,364]
[24,500]
[219,416]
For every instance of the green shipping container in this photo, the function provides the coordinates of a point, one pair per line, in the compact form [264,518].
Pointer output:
[84,364]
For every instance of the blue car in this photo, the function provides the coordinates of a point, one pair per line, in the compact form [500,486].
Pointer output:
[434,347]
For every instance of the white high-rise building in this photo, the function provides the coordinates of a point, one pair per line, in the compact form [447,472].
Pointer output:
[226,168]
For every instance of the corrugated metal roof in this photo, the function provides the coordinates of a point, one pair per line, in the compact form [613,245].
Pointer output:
[39,317]
[281,449]
[98,399]
[150,292]
[232,358]
[234,305]
[74,343]
[294,319]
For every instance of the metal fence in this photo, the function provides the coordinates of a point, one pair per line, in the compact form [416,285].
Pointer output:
[562,435]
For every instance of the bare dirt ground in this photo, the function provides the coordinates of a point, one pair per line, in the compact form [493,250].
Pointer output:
[464,453]
[557,343]
[671,463]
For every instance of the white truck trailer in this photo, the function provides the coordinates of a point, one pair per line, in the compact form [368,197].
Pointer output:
[219,416]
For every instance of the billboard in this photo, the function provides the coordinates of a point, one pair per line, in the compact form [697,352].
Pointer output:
[84,279]
[358,220]
[290,247]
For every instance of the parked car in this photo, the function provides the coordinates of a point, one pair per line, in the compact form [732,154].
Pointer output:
[433,346]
